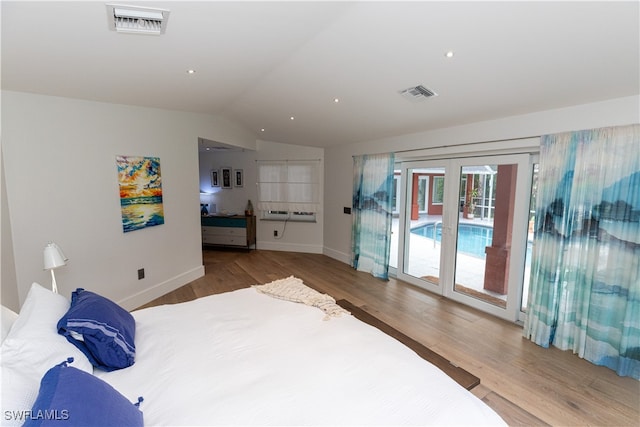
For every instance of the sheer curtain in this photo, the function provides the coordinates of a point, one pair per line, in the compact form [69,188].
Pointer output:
[585,278]
[372,213]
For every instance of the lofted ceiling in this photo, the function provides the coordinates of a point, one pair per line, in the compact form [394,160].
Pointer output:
[261,63]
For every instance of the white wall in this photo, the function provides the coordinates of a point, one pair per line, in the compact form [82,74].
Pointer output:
[229,199]
[8,294]
[338,159]
[61,185]
[61,181]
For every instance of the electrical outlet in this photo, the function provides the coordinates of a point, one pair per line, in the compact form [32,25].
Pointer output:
[141,274]
[275,233]
[346,210]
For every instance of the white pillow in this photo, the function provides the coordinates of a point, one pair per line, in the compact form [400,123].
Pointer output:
[8,317]
[31,348]
[18,395]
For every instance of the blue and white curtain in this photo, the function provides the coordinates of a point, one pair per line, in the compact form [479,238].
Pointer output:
[372,213]
[584,292]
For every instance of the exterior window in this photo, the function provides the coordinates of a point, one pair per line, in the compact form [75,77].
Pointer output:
[438,190]
[289,190]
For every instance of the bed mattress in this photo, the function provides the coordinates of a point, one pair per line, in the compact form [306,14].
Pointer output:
[245,358]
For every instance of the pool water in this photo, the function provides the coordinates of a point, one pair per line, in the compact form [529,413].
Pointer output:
[472,239]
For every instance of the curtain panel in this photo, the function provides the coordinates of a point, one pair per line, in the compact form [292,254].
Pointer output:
[372,212]
[584,292]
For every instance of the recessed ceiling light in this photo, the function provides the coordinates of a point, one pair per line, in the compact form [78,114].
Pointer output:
[190,71]
[292,118]
[262,130]
[449,54]
[336,100]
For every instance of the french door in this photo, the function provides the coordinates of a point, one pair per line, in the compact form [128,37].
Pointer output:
[463,230]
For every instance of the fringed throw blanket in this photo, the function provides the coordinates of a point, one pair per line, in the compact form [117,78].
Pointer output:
[292,289]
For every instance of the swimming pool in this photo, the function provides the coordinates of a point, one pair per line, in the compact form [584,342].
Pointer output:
[472,238]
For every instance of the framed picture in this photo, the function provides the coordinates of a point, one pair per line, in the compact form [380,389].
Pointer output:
[215,180]
[238,178]
[140,192]
[226,177]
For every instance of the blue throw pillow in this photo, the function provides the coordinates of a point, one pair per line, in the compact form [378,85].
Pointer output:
[101,329]
[70,397]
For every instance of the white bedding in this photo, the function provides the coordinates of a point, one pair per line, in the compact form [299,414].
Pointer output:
[244,358]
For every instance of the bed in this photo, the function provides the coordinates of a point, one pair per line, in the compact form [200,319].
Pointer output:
[250,357]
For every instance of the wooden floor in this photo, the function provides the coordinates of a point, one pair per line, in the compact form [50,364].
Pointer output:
[524,383]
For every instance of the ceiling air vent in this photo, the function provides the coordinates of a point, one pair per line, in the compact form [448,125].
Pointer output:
[417,93]
[137,20]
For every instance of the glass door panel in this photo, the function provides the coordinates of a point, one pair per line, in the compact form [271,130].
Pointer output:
[423,222]
[463,230]
[530,228]
[490,233]
[483,232]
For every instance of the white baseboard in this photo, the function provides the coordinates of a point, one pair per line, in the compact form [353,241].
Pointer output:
[337,255]
[149,294]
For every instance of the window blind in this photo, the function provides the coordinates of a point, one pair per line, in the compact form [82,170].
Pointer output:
[289,185]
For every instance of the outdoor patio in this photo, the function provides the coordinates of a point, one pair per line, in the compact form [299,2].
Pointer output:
[424,260]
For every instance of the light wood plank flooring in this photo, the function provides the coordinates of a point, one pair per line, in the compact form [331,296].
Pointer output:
[526,384]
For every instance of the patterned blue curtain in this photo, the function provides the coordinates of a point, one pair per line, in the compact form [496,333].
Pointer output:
[584,292]
[372,213]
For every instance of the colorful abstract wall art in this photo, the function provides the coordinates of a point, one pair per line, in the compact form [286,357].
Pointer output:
[140,192]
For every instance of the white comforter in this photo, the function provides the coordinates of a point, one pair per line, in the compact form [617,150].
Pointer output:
[244,358]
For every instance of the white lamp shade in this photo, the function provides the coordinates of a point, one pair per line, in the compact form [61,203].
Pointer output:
[54,257]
